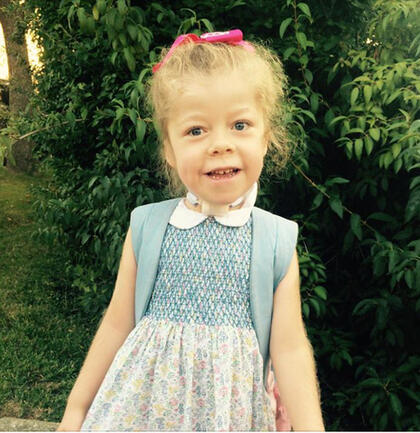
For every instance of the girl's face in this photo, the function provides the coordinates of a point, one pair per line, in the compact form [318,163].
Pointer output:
[216,137]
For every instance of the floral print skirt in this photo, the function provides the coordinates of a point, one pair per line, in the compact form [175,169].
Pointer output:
[170,376]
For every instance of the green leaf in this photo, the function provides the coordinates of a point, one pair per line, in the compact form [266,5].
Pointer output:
[209,26]
[348,241]
[358,148]
[81,15]
[283,26]
[393,259]
[123,39]
[328,118]
[367,93]
[132,31]
[372,382]
[363,306]
[101,5]
[336,119]
[132,114]
[349,148]
[393,96]
[134,97]
[315,305]
[83,113]
[140,129]
[368,145]
[373,399]
[92,181]
[129,58]
[309,114]
[95,12]
[305,9]
[388,159]
[339,180]
[317,201]
[380,216]
[321,292]
[335,361]
[396,149]
[85,238]
[395,404]
[415,126]
[314,102]
[301,37]
[309,76]
[288,52]
[345,355]
[354,95]
[122,7]
[409,278]
[119,113]
[383,422]
[397,165]
[71,118]
[412,394]
[356,226]
[336,206]
[305,309]
[415,182]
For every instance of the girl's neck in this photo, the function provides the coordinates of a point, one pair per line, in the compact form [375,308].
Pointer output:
[213,209]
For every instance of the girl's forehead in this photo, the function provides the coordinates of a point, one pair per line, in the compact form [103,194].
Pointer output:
[231,85]
[214,79]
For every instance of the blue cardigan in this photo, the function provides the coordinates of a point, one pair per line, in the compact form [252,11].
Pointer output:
[273,243]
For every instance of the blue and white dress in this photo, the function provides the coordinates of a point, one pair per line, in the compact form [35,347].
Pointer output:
[192,363]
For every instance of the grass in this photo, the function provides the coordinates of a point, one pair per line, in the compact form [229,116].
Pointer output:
[43,334]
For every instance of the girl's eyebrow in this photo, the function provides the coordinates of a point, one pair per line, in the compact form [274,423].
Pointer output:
[240,111]
[193,116]
[200,115]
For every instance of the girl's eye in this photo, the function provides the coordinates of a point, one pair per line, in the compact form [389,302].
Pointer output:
[195,131]
[240,126]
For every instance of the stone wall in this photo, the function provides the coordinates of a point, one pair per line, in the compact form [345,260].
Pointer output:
[16,424]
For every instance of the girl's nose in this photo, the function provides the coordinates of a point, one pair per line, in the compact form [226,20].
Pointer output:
[221,145]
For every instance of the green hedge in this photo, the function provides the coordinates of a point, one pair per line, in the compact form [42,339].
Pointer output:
[353,183]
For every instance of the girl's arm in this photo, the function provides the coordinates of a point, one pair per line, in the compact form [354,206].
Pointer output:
[292,356]
[117,323]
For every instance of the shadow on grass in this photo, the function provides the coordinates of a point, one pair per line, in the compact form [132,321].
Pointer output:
[44,335]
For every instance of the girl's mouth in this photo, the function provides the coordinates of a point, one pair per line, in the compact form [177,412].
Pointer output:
[223,173]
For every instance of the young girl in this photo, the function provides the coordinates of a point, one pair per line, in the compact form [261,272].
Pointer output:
[208,286]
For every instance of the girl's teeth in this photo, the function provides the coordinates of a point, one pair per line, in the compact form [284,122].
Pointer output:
[219,174]
[221,171]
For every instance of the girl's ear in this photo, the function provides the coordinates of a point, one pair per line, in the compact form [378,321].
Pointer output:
[169,153]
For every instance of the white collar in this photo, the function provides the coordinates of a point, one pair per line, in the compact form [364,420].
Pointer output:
[185,218]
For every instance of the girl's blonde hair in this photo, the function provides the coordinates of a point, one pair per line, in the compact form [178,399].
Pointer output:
[192,61]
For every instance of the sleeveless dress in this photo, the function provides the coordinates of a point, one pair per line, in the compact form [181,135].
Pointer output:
[192,363]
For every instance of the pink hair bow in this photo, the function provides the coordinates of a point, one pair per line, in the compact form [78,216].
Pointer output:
[233,37]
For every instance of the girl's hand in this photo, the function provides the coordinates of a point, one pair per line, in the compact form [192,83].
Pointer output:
[72,420]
